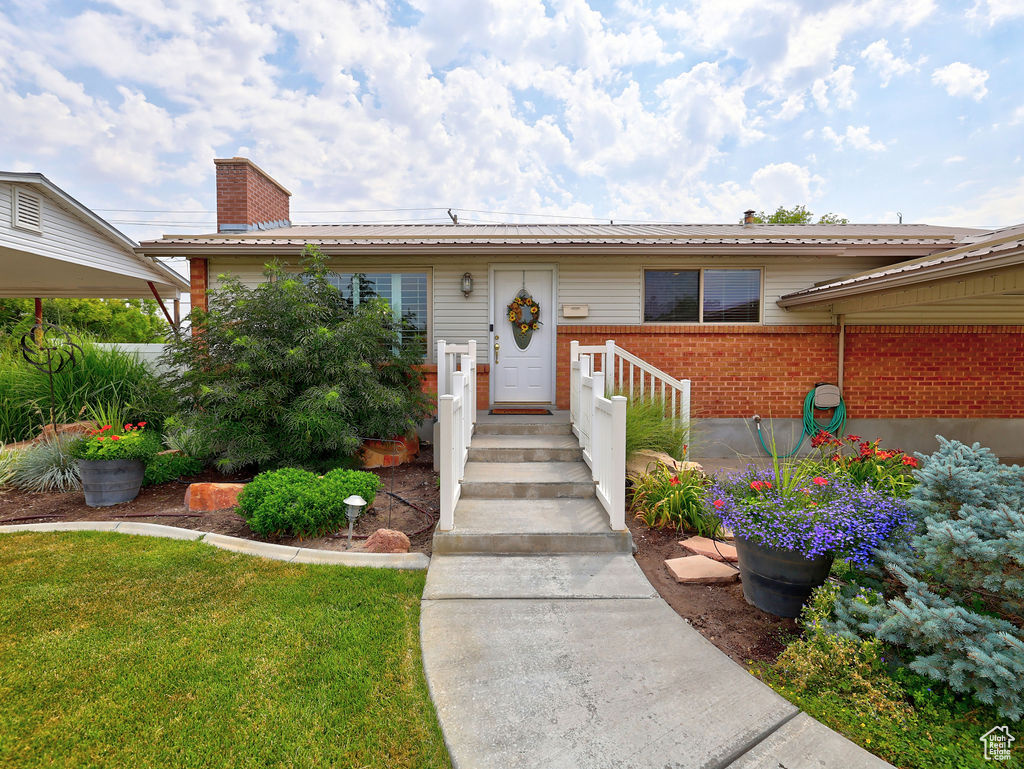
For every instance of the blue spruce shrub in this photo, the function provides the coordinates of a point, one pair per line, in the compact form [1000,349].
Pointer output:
[954,598]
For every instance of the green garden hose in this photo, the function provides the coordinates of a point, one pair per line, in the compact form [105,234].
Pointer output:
[811,427]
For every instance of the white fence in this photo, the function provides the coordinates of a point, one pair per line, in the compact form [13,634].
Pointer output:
[633,377]
[456,415]
[600,424]
[144,353]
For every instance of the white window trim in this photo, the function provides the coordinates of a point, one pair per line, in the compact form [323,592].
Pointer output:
[17,193]
[700,296]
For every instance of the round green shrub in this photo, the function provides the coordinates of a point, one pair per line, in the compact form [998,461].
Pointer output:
[293,502]
[169,467]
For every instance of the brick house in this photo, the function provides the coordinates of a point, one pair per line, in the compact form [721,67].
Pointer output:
[921,326]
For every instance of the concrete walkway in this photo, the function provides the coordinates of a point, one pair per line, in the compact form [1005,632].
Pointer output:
[575,662]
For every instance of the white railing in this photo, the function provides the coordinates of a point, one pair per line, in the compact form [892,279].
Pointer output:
[633,377]
[448,359]
[600,424]
[456,416]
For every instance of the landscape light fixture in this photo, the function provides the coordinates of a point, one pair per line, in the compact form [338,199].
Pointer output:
[467,284]
[353,509]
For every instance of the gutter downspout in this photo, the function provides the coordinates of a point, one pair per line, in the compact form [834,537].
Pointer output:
[842,349]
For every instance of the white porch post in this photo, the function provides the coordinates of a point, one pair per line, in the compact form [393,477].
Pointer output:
[609,367]
[441,363]
[446,420]
[617,461]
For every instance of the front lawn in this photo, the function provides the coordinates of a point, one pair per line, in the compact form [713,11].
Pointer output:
[122,651]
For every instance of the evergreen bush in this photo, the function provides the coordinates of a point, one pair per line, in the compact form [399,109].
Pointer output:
[295,502]
[290,373]
[169,467]
[953,599]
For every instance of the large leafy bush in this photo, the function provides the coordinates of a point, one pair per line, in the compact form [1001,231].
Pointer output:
[289,372]
[953,598]
[296,502]
[664,498]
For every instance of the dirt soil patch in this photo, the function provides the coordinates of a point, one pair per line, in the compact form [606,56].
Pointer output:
[719,612]
[413,508]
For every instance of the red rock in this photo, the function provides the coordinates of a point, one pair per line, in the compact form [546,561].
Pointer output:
[707,547]
[698,570]
[207,497]
[387,541]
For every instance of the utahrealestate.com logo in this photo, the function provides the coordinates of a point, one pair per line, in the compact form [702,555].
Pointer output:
[997,742]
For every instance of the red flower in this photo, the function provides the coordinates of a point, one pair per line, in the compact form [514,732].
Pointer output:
[102,438]
[836,458]
[853,438]
[106,427]
[767,484]
[718,503]
[756,485]
[674,481]
[910,461]
[142,424]
[820,481]
[115,437]
[127,427]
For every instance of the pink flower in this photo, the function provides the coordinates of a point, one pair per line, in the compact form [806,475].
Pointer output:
[820,481]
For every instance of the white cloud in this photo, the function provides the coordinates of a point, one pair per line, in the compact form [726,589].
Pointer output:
[954,159]
[994,11]
[856,137]
[839,83]
[960,79]
[1018,116]
[997,207]
[885,62]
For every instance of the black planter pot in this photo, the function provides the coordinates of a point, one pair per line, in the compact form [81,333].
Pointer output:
[779,581]
[110,481]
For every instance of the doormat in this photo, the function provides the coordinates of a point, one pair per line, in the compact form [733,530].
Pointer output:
[532,412]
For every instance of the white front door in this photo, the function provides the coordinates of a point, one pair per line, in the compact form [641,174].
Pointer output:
[522,372]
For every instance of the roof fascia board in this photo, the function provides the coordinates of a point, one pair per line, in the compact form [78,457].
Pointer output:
[943,271]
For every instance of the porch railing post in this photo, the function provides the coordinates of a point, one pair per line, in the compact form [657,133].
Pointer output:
[472,379]
[446,420]
[609,367]
[441,364]
[616,469]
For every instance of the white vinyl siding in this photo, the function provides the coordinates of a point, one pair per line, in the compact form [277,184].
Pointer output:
[66,237]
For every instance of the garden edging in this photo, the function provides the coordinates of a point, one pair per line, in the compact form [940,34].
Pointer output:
[289,553]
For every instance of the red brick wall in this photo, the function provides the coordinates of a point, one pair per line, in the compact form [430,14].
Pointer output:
[893,372]
[246,195]
[199,281]
[734,371]
[483,394]
[902,372]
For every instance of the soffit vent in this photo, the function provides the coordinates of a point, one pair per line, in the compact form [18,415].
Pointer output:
[27,211]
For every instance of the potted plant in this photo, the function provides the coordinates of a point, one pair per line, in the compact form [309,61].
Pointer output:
[112,463]
[791,521]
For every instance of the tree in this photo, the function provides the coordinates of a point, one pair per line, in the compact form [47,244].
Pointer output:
[797,215]
[105,320]
[290,373]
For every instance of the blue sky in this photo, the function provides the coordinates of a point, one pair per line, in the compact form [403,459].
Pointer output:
[635,110]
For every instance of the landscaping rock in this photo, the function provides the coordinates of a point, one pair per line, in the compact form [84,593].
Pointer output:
[642,462]
[387,541]
[207,497]
[699,570]
[387,453]
[717,551]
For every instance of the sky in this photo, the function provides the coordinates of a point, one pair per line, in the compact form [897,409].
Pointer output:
[522,110]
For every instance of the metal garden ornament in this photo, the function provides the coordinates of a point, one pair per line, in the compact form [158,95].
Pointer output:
[49,348]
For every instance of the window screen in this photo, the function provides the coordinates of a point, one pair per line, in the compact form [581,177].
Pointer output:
[732,296]
[406,292]
[671,296]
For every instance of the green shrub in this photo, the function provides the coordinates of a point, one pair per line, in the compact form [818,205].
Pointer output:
[855,687]
[7,462]
[647,429]
[296,502]
[289,372]
[952,599]
[97,376]
[47,466]
[180,435]
[169,467]
[665,498]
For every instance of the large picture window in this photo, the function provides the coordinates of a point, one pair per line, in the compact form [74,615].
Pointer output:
[406,292]
[702,296]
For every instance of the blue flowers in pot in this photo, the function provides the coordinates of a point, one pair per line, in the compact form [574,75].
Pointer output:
[790,523]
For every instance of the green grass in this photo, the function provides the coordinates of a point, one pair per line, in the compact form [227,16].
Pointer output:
[137,652]
[647,429]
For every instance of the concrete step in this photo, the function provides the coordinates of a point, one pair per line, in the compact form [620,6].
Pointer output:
[526,480]
[531,527]
[522,428]
[525,448]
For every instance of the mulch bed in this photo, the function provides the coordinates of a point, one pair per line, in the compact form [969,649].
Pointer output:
[415,483]
[719,612]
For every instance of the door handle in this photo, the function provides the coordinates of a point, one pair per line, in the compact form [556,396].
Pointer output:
[496,348]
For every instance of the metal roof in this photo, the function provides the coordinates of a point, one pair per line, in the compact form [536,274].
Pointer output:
[578,234]
[978,252]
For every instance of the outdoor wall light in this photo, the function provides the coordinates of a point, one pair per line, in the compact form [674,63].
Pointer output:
[467,284]
[353,509]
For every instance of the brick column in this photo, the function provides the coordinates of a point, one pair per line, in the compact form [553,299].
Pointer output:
[199,281]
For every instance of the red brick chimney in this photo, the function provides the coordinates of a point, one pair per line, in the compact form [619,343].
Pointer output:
[248,198]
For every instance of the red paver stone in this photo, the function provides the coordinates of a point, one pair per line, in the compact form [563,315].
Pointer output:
[707,547]
[207,497]
[698,570]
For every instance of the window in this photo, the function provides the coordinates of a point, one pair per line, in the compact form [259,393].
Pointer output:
[702,296]
[406,292]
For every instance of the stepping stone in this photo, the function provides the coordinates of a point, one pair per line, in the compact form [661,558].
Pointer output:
[707,547]
[698,570]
